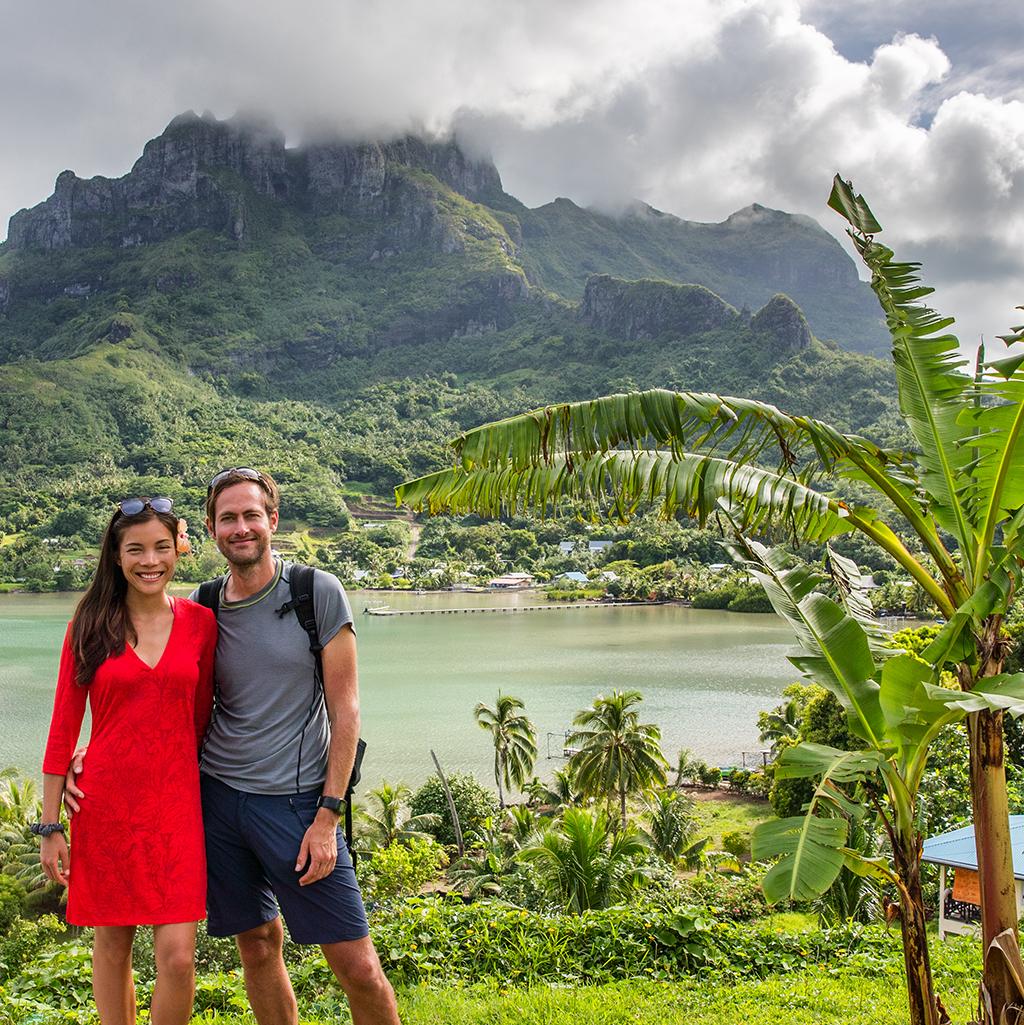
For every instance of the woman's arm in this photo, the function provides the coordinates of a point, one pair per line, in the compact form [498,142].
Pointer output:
[54,855]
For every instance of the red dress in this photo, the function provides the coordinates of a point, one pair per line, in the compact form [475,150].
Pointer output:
[137,854]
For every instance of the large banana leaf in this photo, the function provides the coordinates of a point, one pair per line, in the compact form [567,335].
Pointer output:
[810,847]
[524,460]
[695,484]
[933,390]
[736,428]
[854,589]
[810,853]
[996,423]
[837,654]
[806,759]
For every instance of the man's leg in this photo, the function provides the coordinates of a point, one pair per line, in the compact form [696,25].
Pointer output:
[266,979]
[357,968]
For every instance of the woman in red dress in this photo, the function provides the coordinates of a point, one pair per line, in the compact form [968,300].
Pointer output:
[144,660]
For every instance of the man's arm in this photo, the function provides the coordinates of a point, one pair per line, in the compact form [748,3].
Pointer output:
[341,696]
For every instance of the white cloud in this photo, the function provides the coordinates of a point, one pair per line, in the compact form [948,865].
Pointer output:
[698,109]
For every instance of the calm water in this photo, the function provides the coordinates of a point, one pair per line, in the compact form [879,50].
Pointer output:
[704,676]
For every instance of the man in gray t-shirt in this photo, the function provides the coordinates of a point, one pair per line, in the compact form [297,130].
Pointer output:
[269,736]
[276,764]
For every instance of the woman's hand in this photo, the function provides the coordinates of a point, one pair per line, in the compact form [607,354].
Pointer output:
[55,857]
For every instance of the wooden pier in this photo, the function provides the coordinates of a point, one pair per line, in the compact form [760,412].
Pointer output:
[508,608]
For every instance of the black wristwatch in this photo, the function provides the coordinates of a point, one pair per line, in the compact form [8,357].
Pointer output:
[46,828]
[335,804]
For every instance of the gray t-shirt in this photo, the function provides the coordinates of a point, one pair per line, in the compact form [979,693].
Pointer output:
[268,711]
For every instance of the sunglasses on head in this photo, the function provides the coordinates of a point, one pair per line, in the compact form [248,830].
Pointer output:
[245,472]
[133,506]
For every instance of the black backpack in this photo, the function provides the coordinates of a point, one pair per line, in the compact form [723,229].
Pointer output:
[300,582]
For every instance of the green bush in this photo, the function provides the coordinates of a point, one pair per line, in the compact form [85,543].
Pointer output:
[25,941]
[441,941]
[737,844]
[12,899]
[445,941]
[735,898]
[473,802]
[401,869]
[750,598]
[716,599]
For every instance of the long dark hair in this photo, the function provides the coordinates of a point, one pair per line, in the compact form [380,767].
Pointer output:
[101,626]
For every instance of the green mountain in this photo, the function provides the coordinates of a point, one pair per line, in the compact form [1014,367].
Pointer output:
[336,311]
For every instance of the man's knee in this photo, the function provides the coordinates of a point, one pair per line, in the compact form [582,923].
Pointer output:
[357,967]
[261,945]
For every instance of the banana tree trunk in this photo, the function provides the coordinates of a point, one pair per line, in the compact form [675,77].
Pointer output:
[924,1008]
[995,855]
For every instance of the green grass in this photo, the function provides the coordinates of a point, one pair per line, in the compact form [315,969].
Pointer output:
[799,999]
[728,814]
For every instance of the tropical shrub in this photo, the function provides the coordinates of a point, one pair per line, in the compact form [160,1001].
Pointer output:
[386,820]
[12,897]
[670,829]
[25,940]
[402,869]
[473,803]
[737,898]
[737,844]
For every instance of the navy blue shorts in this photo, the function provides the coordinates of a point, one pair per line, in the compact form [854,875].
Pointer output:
[252,841]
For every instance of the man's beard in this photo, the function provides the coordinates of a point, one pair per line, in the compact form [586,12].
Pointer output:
[250,559]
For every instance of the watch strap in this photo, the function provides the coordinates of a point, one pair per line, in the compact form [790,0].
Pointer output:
[335,804]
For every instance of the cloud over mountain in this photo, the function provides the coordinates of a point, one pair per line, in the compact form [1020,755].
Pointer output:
[697,109]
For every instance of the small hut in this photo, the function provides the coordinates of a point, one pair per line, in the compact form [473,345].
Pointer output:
[960,904]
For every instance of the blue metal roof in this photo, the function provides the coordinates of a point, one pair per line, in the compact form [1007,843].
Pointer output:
[957,847]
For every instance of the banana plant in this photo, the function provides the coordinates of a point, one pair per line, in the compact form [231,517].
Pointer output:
[960,492]
[897,711]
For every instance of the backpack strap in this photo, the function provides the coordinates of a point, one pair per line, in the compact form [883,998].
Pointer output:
[300,583]
[209,594]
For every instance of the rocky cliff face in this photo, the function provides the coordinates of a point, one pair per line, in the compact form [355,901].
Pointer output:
[784,323]
[647,310]
[204,173]
[638,310]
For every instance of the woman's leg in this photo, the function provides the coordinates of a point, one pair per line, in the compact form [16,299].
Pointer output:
[112,984]
[175,949]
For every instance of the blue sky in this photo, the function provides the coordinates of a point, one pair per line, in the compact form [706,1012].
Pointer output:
[698,108]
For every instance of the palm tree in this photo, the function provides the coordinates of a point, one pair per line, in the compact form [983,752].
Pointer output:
[670,829]
[687,766]
[617,754]
[565,789]
[961,493]
[515,742]
[485,869]
[780,726]
[391,821]
[584,863]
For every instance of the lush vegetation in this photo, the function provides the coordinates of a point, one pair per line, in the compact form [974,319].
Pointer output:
[142,370]
[959,493]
